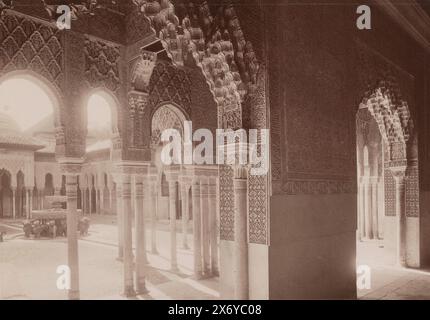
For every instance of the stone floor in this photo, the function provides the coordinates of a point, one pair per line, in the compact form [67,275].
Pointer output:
[389,282]
[28,268]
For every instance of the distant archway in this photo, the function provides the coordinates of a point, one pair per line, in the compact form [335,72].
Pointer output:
[6,202]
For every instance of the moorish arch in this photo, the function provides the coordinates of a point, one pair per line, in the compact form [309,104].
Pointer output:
[400,170]
[110,103]
[6,198]
[50,90]
[167,116]
[216,44]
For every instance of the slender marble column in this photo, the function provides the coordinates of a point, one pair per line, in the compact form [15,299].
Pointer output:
[374,192]
[91,201]
[140,236]
[173,194]
[127,235]
[97,201]
[27,203]
[197,231]
[361,215]
[14,203]
[42,200]
[213,229]
[399,176]
[110,201]
[204,198]
[30,203]
[72,171]
[185,215]
[154,208]
[84,202]
[241,285]
[102,201]
[119,218]
[367,209]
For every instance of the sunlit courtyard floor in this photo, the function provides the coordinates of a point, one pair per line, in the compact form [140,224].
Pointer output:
[389,282]
[28,267]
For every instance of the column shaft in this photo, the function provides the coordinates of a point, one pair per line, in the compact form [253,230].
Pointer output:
[197,231]
[127,236]
[154,209]
[204,198]
[72,234]
[241,285]
[30,206]
[140,236]
[173,194]
[401,220]
[375,226]
[213,230]
[185,215]
[14,203]
[119,218]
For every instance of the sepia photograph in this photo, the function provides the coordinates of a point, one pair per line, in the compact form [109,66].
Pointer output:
[227,153]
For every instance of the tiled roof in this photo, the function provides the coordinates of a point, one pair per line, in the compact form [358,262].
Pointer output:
[14,139]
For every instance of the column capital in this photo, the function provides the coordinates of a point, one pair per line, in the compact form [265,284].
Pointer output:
[172,173]
[71,166]
[131,167]
[240,172]
[399,173]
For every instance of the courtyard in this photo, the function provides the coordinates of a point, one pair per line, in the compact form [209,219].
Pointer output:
[28,267]
[101,271]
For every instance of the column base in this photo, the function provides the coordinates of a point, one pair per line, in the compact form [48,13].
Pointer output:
[141,289]
[154,251]
[198,276]
[129,292]
[73,295]
[174,269]
[215,273]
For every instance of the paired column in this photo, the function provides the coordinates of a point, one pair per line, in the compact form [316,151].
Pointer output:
[399,177]
[241,285]
[72,170]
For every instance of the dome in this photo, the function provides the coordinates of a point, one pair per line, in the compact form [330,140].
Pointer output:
[7,124]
